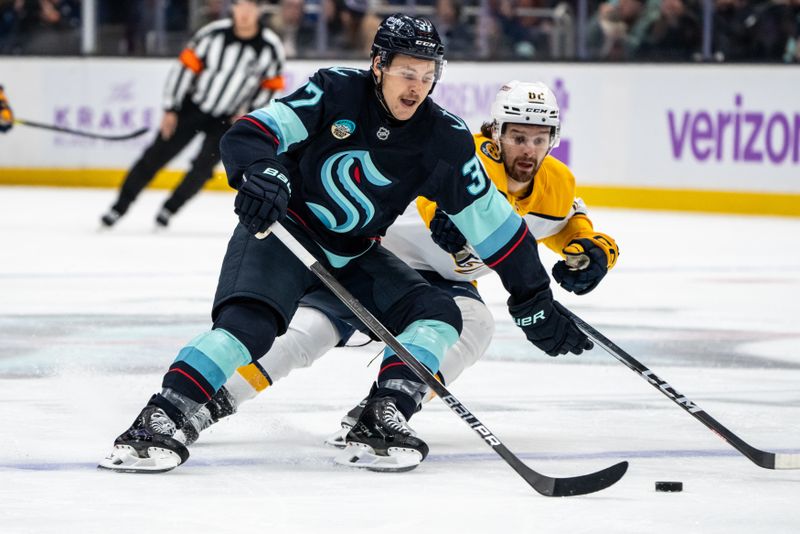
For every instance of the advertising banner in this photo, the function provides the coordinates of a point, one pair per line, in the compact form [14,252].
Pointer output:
[685,127]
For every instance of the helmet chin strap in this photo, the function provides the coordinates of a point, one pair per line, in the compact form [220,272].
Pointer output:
[379,95]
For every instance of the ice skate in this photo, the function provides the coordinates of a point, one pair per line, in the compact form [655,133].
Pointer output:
[221,405]
[110,218]
[337,439]
[163,217]
[381,440]
[147,446]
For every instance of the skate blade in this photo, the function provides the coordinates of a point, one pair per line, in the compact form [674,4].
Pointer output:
[125,459]
[363,456]
[337,440]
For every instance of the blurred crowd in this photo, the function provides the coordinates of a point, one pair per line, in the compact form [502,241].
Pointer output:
[612,30]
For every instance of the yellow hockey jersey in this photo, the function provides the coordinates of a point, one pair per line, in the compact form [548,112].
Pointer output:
[552,212]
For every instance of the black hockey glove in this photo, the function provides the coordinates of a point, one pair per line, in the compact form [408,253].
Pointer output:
[445,234]
[263,197]
[547,326]
[585,265]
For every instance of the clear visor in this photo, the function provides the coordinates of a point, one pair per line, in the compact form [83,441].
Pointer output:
[427,76]
[541,139]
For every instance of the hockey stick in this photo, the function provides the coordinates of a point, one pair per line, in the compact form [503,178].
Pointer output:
[549,486]
[767,460]
[122,137]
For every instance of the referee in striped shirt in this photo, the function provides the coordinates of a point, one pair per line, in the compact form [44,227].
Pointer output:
[229,67]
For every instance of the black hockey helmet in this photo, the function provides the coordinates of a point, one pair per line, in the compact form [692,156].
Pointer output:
[412,36]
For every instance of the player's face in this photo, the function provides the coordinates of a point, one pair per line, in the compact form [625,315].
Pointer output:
[524,146]
[405,83]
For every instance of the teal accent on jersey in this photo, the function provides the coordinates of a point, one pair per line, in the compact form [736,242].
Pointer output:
[477,174]
[216,355]
[340,261]
[489,223]
[283,122]
[312,89]
[459,122]
[427,341]
[346,71]
[337,170]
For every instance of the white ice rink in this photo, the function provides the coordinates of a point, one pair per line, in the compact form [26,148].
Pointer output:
[89,322]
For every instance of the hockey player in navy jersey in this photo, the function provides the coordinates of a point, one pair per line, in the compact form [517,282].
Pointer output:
[336,162]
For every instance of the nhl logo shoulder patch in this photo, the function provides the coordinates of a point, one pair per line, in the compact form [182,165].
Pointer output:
[342,129]
[489,149]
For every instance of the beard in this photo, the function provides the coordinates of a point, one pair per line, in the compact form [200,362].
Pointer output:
[521,174]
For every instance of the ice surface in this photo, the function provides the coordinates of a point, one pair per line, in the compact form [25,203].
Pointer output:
[89,321]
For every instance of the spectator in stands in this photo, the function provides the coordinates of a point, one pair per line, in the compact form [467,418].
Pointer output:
[617,29]
[775,31]
[733,25]
[523,35]
[674,36]
[350,27]
[41,27]
[458,39]
[296,32]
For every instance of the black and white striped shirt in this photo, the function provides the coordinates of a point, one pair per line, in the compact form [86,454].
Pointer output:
[224,74]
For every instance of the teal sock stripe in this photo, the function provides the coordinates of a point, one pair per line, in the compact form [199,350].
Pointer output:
[427,341]
[216,355]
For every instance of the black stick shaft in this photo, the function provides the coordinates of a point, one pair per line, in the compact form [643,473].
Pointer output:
[543,484]
[52,127]
[767,460]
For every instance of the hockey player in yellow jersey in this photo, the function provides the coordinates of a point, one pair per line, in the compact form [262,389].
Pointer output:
[515,150]
[514,147]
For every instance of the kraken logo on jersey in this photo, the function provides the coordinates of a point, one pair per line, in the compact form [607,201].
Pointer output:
[340,175]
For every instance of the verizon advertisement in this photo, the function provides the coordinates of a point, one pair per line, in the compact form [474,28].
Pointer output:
[705,127]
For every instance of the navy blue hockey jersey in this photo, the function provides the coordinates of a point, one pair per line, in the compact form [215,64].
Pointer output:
[354,169]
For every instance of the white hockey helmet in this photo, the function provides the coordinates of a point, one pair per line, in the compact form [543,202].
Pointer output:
[526,103]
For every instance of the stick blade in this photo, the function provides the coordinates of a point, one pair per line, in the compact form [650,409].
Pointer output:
[580,485]
[785,461]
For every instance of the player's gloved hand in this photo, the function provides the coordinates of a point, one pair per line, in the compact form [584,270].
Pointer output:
[547,325]
[587,260]
[6,115]
[263,197]
[445,234]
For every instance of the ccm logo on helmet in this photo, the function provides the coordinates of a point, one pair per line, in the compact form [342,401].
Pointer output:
[425,43]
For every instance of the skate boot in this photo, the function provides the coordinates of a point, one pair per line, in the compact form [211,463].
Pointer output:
[110,218]
[222,404]
[381,440]
[337,439]
[147,446]
[163,217]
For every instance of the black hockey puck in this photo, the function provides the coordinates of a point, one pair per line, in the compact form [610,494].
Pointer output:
[669,486]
